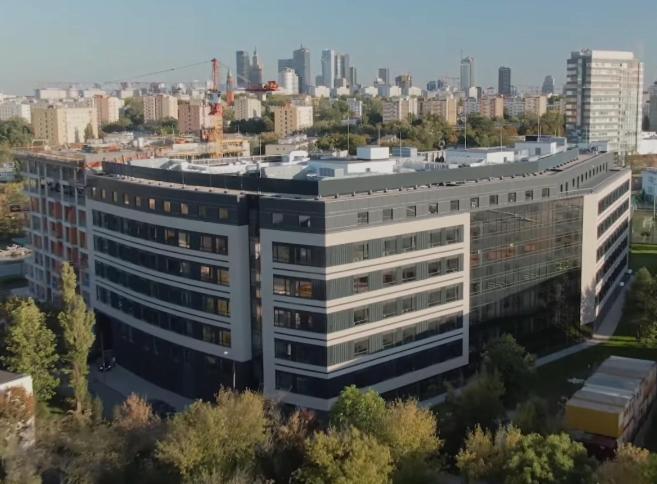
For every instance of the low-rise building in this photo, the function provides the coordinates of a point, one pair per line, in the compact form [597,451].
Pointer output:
[320,91]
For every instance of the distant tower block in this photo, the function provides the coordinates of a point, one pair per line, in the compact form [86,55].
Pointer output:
[230,89]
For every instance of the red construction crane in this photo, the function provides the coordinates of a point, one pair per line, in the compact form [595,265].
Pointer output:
[215,134]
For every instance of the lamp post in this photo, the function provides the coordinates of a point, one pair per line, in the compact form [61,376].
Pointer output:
[233,361]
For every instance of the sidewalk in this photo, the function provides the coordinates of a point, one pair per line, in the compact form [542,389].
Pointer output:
[115,385]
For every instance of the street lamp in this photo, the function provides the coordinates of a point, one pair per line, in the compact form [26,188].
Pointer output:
[226,355]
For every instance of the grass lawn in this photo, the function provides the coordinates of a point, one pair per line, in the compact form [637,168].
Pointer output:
[642,255]
[552,379]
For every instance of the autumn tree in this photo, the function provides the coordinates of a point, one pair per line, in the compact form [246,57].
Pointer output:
[630,465]
[77,323]
[216,440]
[345,456]
[31,348]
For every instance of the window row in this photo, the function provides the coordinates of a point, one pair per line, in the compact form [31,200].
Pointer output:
[611,197]
[164,320]
[612,217]
[611,280]
[164,292]
[299,320]
[162,263]
[611,260]
[611,240]
[163,206]
[329,388]
[216,244]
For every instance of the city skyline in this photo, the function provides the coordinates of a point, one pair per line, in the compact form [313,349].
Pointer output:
[124,46]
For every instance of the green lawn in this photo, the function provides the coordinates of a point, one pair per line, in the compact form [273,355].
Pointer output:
[552,379]
[642,255]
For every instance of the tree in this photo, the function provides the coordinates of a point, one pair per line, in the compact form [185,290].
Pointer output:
[345,456]
[484,454]
[512,363]
[410,432]
[355,408]
[16,420]
[641,306]
[133,110]
[534,416]
[15,132]
[631,464]
[31,348]
[78,324]
[216,440]
[88,133]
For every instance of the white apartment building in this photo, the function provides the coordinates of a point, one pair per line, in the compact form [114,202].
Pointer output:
[603,98]
[320,91]
[60,125]
[288,81]
[108,108]
[514,106]
[247,107]
[399,109]
[15,109]
[160,106]
[54,94]
[389,91]
[289,119]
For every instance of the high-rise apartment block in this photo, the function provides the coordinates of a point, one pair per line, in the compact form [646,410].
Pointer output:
[444,107]
[504,81]
[15,109]
[289,119]
[247,107]
[107,108]
[399,109]
[604,98]
[193,116]
[405,81]
[467,79]
[535,106]
[307,279]
[64,124]
[160,106]
[491,107]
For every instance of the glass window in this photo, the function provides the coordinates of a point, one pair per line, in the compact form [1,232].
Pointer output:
[361,315]
[433,208]
[407,304]
[223,308]
[115,197]
[454,206]
[206,244]
[545,192]
[474,202]
[388,340]
[529,195]
[166,206]
[452,235]
[452,265]
[389,247]
[304,288]
[363,218]
[151,204]
[170,237]
[281,253]
[224,214]
[276,218]
[408,243]
[206,274]
[184,208]
[361,252]
[361,347]
[183,239]
[511,197]
[451,293]
[361,284]
[304,220]
[387,214]
[434,298]
[223,277]
[389,277]
[409,273]
[126,199]
[493,200]
[434,268]
[221,245]
[103,194]
[137,201]
[389,309]
[411,211]
[435,238]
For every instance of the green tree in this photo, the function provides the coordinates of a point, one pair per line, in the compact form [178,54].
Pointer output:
[641,306]
[630,465]
[345,456]
[216,440]
[512,363]
[15,132]
[534,416]
[133,110]
[31,349]
[363,410]
[77,323]
[88,133]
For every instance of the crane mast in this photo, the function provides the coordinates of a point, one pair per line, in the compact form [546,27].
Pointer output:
[215,133]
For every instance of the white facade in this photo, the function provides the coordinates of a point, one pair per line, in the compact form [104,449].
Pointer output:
[604,99]
[399,109]
[478,156]
[320,91]
[390,91]
[52,94]
[534,147]
[247,107]
[341,91]
[647,143]
[159,107]
[288,81]
[15,109]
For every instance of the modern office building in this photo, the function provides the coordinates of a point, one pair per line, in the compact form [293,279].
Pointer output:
[504,81]
[328,68]
[301,65]
[548,86]
[342,67]
[467,79]
[604,92]
[242,68]
[404,81]
[318,274]
[384,75]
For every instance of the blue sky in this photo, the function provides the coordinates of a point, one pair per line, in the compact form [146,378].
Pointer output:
[87,40]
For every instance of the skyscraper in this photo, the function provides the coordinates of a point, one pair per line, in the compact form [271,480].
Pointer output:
[342,64]
[285,64]
[301,59]
[353,76]
[603,98]
[255,72]
[548,86]
[504,81]
[467,73]
[384,75]
[328,67]
[243,68]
